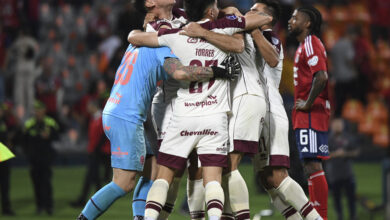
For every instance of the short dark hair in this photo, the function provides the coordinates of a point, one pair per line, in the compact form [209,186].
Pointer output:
[315,18]
[139,5]
[195,9]
[272,8]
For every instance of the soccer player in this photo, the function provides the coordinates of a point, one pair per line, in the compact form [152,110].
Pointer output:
[198,108]
[158,13]
[312,109]
[162,106]
[135,83]
[272,161]
[244,123]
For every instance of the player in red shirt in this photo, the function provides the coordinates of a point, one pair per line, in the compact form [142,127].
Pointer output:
[312,109]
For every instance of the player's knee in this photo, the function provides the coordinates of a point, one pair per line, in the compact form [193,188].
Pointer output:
[272,177]
[265,176]
[234,161]
[312,166]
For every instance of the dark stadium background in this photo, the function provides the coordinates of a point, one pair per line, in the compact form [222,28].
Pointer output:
[81,43]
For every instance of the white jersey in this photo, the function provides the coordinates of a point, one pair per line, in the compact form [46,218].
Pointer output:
[168,90]
[202,98]
[273,75]
[249,82]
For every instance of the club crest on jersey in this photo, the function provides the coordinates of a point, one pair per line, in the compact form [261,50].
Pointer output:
[231,17]
[275,41]
[313,61]
[192,40]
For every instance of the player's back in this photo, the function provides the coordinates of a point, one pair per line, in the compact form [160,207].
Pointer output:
[201,98]
[135,82]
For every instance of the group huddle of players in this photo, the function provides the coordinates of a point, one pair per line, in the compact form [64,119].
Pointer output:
[217,75]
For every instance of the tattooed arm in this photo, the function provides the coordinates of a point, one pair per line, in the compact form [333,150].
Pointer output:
[187,73]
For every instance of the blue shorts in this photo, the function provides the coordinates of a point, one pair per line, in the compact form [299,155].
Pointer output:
[312,144]
[128,148]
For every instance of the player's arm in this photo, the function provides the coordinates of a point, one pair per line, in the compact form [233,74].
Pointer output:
[253,19]
[139,38]
[267,50]
[256,19]
[227,43]
[319,82]
[197,73]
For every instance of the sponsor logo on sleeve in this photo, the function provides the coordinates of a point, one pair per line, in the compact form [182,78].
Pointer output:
[313,61]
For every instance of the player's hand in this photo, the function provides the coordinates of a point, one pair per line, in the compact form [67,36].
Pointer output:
[302,105]
[193,29]
[231,71]
[231,11]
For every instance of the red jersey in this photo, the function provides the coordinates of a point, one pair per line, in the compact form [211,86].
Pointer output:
[310,58]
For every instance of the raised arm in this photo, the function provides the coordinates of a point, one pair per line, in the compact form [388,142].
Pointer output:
[187,73]
[139,38]
[197,73]
[227,43]
[319,82]
[256,19]
[267,50]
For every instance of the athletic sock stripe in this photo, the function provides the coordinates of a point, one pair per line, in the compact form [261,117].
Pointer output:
[94,204]
[153,205]
[168,207]
[287,210]
[197,214]
[242,211]
[305,206]
[243,214]
[214,203]
[139,200]
[226,217]
[290,212]
[306,209]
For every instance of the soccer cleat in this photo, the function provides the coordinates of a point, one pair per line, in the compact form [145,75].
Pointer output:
[81,217]
[138,217]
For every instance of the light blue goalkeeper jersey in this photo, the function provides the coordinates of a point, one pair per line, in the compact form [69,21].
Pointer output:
[136,79]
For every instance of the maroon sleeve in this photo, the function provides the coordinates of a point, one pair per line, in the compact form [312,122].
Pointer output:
[179,12]
[156,25]
[273,39]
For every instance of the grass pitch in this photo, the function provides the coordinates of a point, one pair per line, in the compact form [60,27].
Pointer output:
[67,182]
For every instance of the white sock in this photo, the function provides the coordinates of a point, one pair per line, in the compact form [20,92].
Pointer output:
[171,198]
[283,207]
[227,210]
[214,199]
[291,192]
[196,199]
[238,195]
[156,199]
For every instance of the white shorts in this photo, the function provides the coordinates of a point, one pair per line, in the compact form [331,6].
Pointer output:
[273,147]
[161,117]
[207,134]
[246,122]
